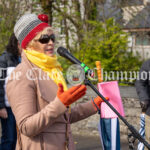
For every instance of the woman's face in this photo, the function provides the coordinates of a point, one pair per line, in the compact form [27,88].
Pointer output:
[45,44]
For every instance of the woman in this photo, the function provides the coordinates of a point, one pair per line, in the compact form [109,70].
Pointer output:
[8,61]
[39,96]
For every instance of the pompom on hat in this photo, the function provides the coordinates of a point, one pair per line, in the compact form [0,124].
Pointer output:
[43,17]
[27,27]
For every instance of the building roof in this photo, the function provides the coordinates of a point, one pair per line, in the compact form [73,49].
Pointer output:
[125,3]
[140,20]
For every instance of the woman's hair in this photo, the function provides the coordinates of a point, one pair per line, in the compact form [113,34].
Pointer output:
[47,30]
[12,46]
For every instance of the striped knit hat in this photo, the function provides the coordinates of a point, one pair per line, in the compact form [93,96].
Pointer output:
[27,27]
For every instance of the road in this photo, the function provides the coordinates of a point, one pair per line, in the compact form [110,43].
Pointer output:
[93,143]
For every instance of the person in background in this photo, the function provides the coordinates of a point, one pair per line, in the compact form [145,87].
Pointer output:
[8,61]
[143,91]
[40,98]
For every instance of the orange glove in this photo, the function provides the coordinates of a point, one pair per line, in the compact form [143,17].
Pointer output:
[98,102]
[71,95]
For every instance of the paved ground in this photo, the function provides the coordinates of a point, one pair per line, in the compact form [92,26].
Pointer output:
[93,143]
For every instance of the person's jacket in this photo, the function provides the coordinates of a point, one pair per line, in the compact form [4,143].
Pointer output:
[143,84]
[42,119]
[7,60]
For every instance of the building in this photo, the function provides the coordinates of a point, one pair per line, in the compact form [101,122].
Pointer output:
[138,25]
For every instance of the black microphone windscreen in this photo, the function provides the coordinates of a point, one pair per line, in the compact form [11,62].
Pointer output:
[64,53]
[61,51]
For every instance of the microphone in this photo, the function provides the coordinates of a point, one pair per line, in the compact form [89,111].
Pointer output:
[64,53]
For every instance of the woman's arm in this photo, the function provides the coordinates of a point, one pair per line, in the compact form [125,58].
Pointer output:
[23,98]
[82,111]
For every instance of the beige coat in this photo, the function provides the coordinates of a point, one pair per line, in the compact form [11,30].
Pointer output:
[42,119]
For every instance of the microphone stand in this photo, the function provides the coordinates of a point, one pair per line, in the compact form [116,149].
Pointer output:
[130,127]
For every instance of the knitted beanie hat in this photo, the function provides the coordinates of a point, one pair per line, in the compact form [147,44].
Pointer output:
[27,27]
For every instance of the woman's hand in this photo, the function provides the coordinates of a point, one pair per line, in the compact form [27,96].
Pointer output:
[3,113]
[98,101]
[71,95]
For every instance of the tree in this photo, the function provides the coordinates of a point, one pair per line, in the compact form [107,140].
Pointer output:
[109,44]
[47,8]
[10,11]
[91,34]
[7,20]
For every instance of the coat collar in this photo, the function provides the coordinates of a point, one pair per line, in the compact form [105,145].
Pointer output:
[46,87]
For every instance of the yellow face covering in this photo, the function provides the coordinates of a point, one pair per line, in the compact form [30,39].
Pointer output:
[47,64]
